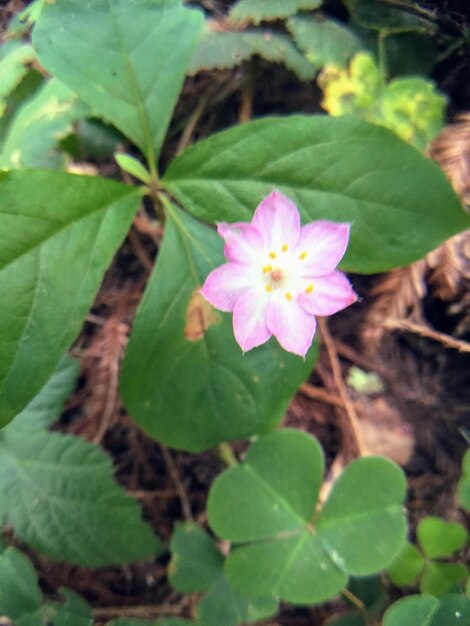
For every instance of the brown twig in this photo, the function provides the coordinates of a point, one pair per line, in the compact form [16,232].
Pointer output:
[424,331]
[353,420]
[187,134]
[144,611]
[320,394]
[180,490]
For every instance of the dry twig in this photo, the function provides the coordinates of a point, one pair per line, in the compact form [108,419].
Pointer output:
[424,331]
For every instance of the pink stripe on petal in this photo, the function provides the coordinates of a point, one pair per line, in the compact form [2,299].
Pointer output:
[331,293]
[277,219]
[325,244]
[226,284]
[249,319]
[291,325]
[244,245]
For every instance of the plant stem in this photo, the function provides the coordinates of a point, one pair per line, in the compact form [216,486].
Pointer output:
[227,455]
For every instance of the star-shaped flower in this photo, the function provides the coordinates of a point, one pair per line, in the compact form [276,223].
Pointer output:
[280,275]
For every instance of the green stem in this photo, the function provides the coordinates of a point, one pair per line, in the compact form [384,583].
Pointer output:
[226,454]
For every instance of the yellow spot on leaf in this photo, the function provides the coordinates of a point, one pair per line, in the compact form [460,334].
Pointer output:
[200,315]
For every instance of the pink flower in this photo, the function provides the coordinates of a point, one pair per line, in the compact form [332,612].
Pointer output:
[280,275]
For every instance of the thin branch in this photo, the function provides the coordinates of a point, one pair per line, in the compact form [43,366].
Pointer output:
[321,395]
[180,490]
[143,611]
[424,331]
[353,420]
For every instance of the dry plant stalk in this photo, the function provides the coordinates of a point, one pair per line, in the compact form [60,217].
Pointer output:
[400,293]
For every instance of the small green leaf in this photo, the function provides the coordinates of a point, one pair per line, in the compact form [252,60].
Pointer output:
[59,233]
[32,137]
[464,484]
[185,380]
[439,538]
[439,578]
[195,562]
[224,605]
[377,16]
[258,10]
[60,496]
[341,169]
[74,611]
[133,167]
[20,596]
[143,49]
[14,57]
[45,408]
[324,41]
[406,567]
[268,505]
[225,49]
[451,610]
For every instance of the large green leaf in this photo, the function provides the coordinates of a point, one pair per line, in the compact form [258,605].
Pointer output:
[451,610]
[32,136]
[259,10]
[60,496]
[125,58]
[58,235]
[193,394]
[20,596]
[399,203]
[268,505]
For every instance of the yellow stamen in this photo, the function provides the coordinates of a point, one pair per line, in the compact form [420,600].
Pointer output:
[309,289]
[284,247]
[303,256]
[272,255]
[288,296]
[269,288]
[267,268]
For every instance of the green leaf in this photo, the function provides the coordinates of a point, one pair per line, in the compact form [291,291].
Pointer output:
[133,167]
[374,15]
[439,538]
[196,562]
[164,621]
[224,605]
[20,596]
[61,498]
[464,484]
[185,380]
[225,49]
[45,408]
[324,41]
[59,233]
[451,610]
[143,47]
[406,567]
[354,619]
[268,504]
[75,610]
[32,137]
[14,57]
[340,169]
[439,578]
[258,10]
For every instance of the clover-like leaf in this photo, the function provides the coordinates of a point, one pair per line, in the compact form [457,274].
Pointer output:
[439,578]
[407,566]
[184,373]
[341,169]
[58,234]
[268,503]
[451,610]
[439,538]
[143,48]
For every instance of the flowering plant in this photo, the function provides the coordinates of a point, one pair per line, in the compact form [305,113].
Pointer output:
[280,275]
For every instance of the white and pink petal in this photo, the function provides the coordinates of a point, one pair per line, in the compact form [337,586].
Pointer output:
[277,219]
[321,246]
[331,293]
[290,324]
[249,319]
[243,243]
[226,284]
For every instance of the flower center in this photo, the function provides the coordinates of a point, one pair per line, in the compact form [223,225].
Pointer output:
[276,276]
